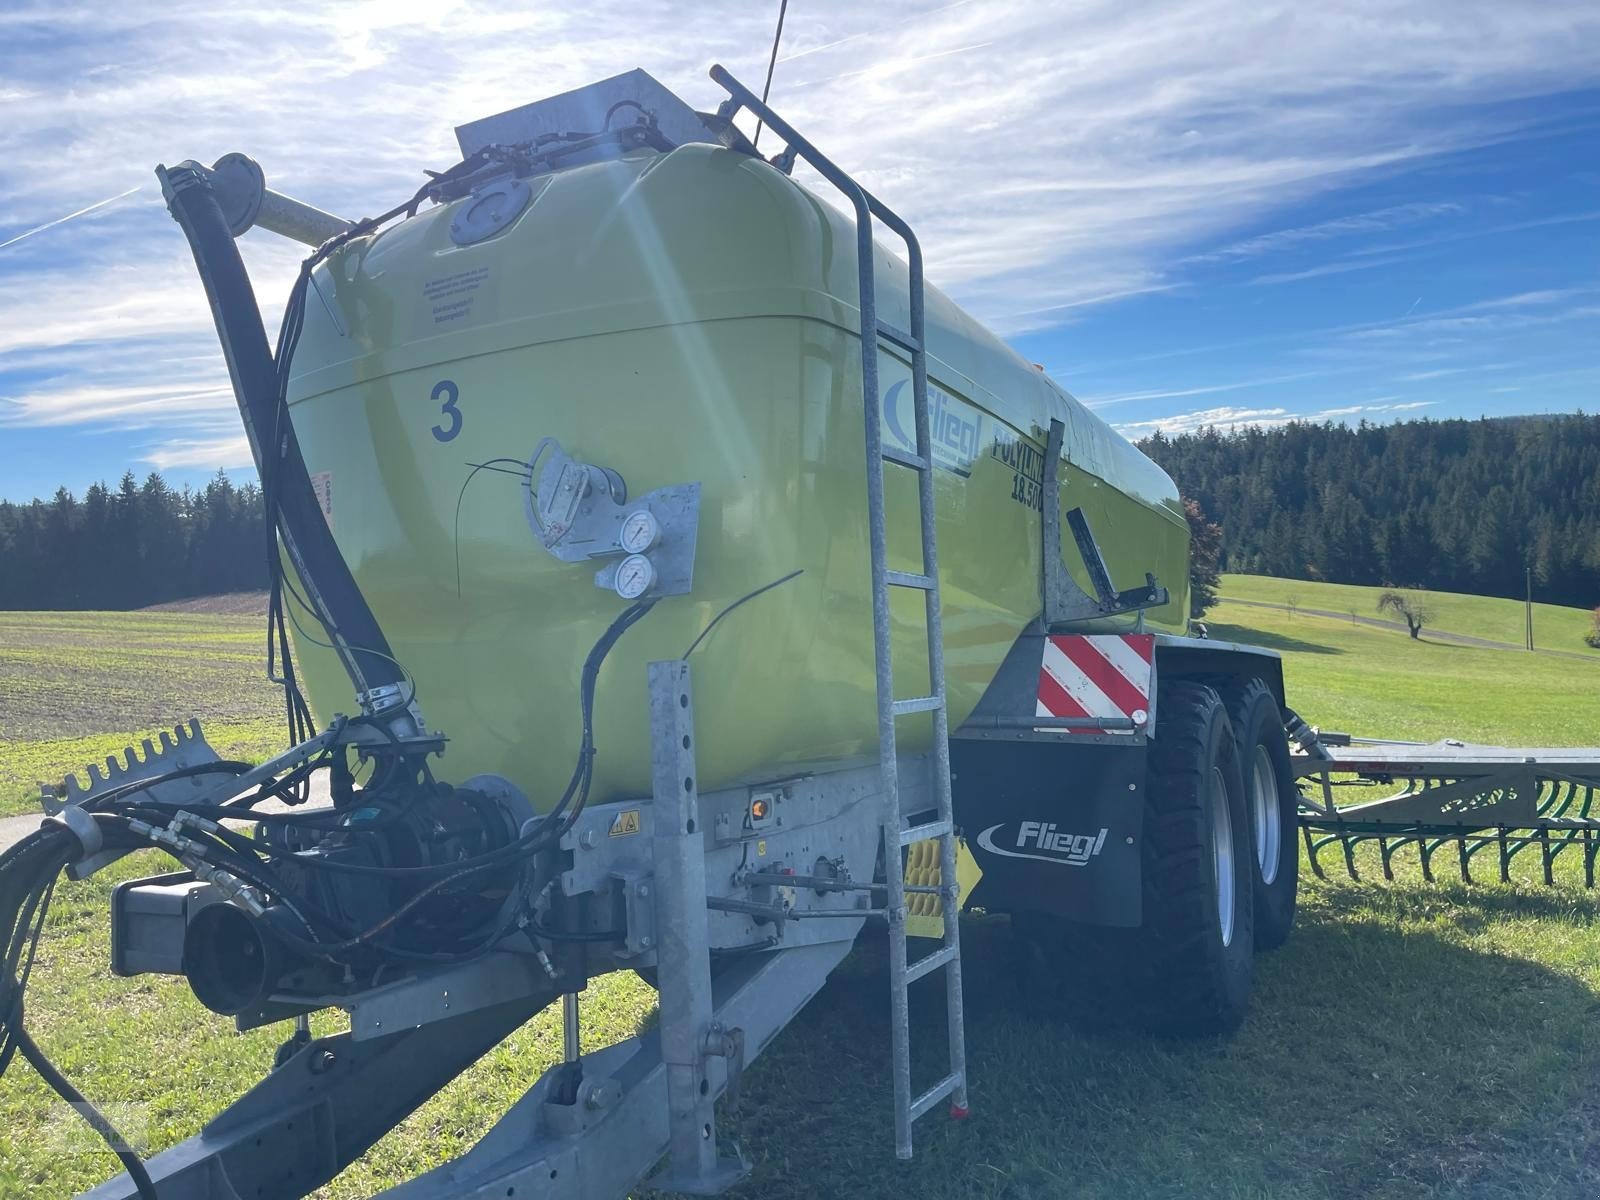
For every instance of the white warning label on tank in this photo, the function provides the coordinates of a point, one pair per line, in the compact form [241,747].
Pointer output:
[322,486]
[450,297]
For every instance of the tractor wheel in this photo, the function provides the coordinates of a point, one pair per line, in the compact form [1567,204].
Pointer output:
[1193,964]
[1189,968]
[1272,802]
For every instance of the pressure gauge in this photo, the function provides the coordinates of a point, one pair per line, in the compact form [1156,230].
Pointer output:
[639,532]
[635,575]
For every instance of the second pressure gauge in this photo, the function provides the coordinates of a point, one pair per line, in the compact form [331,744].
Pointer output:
[635,576]
[639,532]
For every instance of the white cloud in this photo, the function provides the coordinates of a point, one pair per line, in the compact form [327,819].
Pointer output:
[1237,385]
[1379,220]
[1050,156]
[1227,418]
[227,451]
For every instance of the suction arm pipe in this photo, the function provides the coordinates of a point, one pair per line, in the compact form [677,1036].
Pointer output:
[306,538]
[247,202]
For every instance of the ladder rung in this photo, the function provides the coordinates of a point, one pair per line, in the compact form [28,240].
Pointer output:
[916,704]
[906,579]
[921,833]
[936,1093]
[930,962]
[905,458]
[899,337]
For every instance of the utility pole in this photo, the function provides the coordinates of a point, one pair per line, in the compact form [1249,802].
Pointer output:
[1528,607]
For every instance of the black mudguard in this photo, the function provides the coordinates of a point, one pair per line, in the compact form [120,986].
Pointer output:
[1054,825]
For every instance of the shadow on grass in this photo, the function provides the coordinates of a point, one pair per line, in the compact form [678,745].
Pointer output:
[1380,1060]
[1269,641]
[1470,908]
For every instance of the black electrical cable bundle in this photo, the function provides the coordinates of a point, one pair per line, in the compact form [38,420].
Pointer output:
[28,873]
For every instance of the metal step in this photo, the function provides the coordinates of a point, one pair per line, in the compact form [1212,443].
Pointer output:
[906,341]
[931,962]
[906,579]
[905,458]
[950,1083]
[921,833]
[916,704]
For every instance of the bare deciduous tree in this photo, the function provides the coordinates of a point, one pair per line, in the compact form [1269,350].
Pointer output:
[1411,607]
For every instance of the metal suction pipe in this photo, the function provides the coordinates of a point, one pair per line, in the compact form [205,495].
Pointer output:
[248,203]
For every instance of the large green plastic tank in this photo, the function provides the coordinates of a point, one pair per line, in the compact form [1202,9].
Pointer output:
[679,316]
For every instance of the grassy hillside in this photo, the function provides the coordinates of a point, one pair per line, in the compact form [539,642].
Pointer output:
[1407,1042]
[1380,683]
[1554,627]
[78,686]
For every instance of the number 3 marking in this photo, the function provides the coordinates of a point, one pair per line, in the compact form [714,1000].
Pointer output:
[451,394]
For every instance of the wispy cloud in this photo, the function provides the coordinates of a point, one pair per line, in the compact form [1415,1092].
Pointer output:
[1209,389]
[1381,220]
[225,451]
[1051,157]
[1239,417]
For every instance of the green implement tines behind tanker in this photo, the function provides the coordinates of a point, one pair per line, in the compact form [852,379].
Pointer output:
[679,317]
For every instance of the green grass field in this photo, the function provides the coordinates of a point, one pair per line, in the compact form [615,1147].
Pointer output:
[76,687]
[1409,1041]
[1554,626]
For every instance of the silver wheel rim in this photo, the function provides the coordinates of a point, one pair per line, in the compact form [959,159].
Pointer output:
[1222,854]
[1264,808]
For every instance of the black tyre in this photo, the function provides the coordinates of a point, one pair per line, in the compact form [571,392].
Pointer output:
[1272,804]
[1194,963]
[1188,970]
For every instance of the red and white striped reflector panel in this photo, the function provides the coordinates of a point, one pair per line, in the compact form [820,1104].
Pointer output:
[1098,675]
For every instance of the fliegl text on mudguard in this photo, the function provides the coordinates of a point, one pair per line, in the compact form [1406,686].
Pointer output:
[1055,827]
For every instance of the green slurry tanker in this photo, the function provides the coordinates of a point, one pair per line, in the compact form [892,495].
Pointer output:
[756,598]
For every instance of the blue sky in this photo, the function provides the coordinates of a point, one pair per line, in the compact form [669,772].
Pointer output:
[1191,213]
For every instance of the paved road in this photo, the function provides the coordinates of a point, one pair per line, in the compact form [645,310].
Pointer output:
[1429,635]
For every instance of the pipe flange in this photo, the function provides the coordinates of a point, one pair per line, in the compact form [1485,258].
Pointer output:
[240,185]
[489,210]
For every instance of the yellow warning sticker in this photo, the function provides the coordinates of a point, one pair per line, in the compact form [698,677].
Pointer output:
[761,848]
[625,822]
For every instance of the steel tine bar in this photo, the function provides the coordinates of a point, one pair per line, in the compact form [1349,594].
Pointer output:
[1311,852]
[1347,844]
[1505,857]
[1547,859]
[1383,856]
[1464,855]
[1426,854]
[1588,858]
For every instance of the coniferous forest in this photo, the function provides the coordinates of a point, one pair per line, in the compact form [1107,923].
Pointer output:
[131,546]
[1459,506]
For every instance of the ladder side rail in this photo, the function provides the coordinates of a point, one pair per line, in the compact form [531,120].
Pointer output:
[949,901]
[867,206]
[871,405]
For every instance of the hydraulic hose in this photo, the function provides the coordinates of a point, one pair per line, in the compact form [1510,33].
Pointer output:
[306,537]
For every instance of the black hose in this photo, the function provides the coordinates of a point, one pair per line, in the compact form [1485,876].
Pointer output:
[62,1087]
[256,382]
[28,873]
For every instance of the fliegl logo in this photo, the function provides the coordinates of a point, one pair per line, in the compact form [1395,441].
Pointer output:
[1040,840]
[954,428]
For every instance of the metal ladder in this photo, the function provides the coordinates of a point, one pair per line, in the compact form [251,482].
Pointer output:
[896,833]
